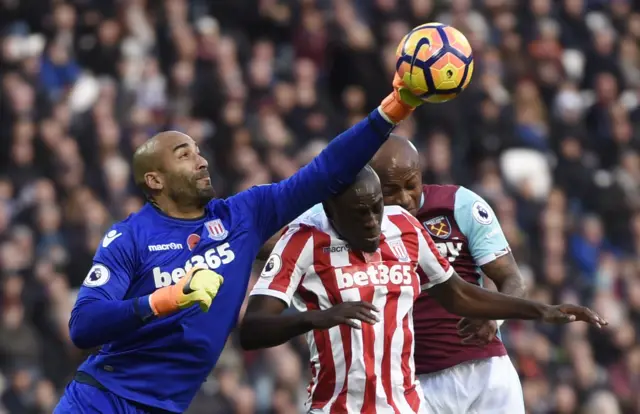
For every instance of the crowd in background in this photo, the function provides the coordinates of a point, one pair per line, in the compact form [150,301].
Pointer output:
[548,133]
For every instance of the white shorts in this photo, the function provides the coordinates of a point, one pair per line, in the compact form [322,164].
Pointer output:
[486,386]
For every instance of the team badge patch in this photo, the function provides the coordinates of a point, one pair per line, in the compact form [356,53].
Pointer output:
[216,229]
[399,251]
[481,213]
[98,275]
[193,240]
[438,227]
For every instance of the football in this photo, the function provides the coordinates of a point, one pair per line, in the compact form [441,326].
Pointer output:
[435,62]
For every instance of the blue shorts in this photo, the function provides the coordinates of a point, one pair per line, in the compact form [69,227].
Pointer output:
[86,399]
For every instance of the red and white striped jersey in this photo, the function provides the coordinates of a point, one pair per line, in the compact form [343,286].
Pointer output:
[368,370]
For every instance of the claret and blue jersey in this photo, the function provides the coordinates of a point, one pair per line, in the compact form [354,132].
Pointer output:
[161,362]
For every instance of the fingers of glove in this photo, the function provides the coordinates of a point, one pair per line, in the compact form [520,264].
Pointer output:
[409,98]
[213,286]
[204,279]
[203,300]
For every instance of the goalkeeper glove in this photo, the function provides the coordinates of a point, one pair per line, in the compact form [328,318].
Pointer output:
[199,286]
[400,103]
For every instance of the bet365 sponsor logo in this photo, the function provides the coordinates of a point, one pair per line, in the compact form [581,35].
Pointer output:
[450,250]
[211,259]
[380,274]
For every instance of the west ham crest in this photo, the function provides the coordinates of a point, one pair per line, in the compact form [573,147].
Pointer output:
[216,229]
[438,227]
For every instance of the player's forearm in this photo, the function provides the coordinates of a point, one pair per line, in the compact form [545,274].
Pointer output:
[333,169]
[504,272]
[265,331]
[465,299]
[95,322]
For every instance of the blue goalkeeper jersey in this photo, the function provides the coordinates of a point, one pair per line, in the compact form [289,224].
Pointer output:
[161,362]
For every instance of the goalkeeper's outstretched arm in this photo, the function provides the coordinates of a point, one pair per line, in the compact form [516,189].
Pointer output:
[330,172]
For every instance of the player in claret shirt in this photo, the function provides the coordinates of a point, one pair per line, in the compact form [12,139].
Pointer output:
[462,365]
[354,269]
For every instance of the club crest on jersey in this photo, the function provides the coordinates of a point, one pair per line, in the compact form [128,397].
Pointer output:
[398,250]
[192,241]
[216,229]
[438,227]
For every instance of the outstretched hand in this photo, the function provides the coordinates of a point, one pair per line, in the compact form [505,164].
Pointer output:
[566,313]
[478,332]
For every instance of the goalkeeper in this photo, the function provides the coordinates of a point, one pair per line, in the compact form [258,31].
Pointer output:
[167,283]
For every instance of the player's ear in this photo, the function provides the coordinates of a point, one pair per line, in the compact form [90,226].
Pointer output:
[154,181]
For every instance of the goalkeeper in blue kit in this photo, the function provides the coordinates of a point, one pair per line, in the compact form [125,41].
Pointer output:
[168,282]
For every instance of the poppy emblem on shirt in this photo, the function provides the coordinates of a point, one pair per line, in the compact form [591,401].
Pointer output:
[438,227]
[192,241]
[216,229]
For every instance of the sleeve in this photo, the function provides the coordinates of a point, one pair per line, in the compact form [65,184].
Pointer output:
[272,206]
[101,313]
[286,266]
[433,269]
[113,266]
[478,222]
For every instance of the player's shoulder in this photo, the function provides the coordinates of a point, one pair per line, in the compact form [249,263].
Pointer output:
[470,204]
[312,219]
[396,211]
[126,234]
[438,197]
[397,218]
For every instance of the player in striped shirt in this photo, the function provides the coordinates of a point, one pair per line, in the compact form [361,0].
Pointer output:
[354,269]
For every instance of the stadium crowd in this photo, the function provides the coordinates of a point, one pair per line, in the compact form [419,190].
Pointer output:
[548,133]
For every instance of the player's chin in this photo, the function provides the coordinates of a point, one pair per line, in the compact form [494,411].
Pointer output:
[370,244]
[206,192]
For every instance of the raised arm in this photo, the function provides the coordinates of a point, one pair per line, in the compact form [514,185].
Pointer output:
[264,324]
[329,173]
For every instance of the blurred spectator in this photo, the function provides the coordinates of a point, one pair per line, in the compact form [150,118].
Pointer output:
[547,132]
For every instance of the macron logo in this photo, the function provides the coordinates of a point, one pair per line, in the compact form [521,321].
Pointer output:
[165,247]
[110,237]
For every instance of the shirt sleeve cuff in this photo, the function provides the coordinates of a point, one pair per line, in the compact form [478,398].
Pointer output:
[143,309]
[436,281]
[271,292]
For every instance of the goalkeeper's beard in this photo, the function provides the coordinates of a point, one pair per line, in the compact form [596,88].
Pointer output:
[190,191]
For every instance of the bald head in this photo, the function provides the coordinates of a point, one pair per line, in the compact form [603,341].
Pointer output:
[356,213]
[396,152]
[397,163]
[170,163]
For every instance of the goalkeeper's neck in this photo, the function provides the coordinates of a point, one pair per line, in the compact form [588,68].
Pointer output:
[173,209]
